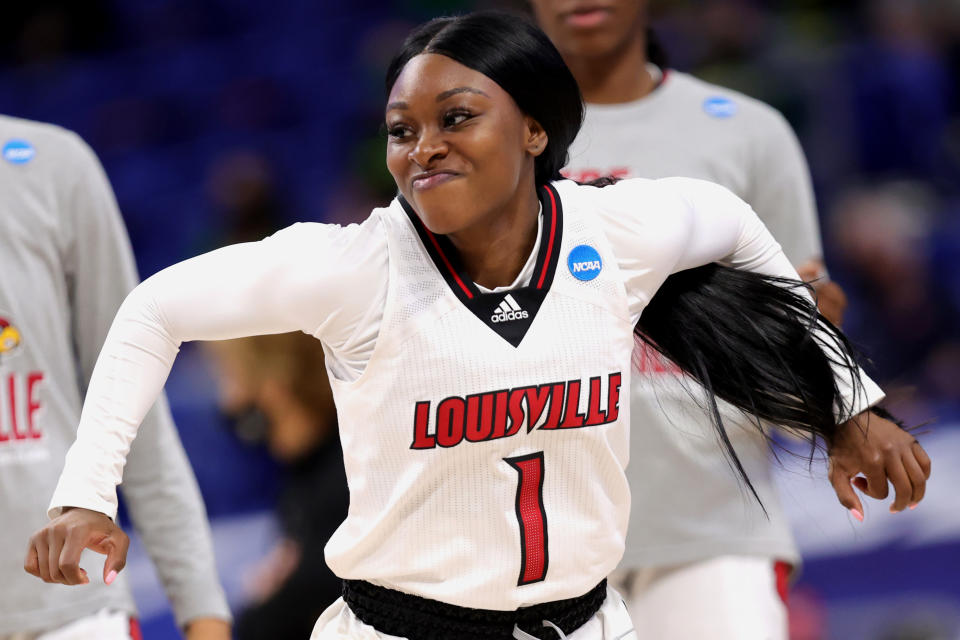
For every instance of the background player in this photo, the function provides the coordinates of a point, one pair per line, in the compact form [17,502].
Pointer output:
[687,549]
[468,157]
[67,266]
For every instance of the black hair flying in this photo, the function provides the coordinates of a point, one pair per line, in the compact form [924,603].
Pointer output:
[758,343]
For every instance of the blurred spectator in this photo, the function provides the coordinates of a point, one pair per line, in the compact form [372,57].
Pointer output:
[882,236]
[277,387]
[44,31]
[242,187]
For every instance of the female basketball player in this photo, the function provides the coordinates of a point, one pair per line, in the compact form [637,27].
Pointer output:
[478,332]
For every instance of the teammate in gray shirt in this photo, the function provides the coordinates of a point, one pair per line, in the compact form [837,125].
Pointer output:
[703,559]
[65,267]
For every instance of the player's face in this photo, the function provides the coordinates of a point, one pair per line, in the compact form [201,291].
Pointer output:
[590,28]
[459,148]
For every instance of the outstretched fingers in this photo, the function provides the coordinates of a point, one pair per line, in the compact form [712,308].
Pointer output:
[922,458]
[115,545]
[31,563]
[55,550]
[841,482]
[902,484]
[918,475]
[70,558]
[55,538]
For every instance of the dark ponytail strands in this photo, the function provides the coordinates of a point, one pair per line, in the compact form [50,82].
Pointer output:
[756,342]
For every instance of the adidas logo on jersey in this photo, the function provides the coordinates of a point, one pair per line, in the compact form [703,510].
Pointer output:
[508,310]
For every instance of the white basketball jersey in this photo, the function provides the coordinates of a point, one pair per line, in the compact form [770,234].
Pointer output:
[501,484]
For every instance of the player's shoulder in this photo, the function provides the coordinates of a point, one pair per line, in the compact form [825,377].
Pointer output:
[724,104]
[358,248]
[633,211]
[307,235]
[41,144]
[651,207]
[637,195]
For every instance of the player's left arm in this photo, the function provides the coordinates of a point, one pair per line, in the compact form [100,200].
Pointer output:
[717,226]
[160,489]
[781,192]
[869,450]
[870,444]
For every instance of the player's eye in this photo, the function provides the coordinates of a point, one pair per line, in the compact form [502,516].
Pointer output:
[455,117]
[398,131]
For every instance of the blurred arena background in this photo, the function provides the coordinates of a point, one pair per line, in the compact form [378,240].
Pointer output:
[224,120]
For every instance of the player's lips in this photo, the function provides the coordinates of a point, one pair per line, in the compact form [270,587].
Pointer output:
[587,17]
[430,179]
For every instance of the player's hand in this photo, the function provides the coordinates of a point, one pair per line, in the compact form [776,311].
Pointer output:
[831,300]
[54,551]
[881,451]
[207,629]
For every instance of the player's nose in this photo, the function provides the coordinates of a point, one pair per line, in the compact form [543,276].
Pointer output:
[430,147]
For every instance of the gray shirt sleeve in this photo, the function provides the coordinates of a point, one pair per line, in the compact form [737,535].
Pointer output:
[782,192]
[158,483]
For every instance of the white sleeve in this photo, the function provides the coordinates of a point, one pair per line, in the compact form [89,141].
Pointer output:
[660,227]
[320,279]
[158,483]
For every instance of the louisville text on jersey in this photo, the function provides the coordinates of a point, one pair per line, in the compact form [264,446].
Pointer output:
[19,406]
[501,414]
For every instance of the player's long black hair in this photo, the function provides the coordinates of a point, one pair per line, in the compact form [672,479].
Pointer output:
[755,341]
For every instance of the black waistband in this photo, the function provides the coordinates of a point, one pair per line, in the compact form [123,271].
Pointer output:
[417,618]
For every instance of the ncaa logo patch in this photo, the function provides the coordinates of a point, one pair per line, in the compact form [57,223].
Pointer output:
[720,107]
[584,262]
[18,152]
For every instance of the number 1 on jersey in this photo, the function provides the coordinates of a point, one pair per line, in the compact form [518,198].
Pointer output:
[531,516]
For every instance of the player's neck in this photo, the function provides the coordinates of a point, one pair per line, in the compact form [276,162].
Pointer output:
[620,76]
[494,251]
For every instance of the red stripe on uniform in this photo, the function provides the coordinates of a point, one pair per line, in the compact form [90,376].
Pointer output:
[553,233]
[447,263]
[782,571]
[530,511]
[135,633]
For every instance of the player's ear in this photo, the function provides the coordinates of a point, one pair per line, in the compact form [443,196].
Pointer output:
[535,137]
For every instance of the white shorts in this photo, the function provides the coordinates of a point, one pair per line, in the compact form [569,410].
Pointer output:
[103,625]
[610,622]
[724,598]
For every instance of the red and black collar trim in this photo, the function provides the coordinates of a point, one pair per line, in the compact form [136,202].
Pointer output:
[509,318]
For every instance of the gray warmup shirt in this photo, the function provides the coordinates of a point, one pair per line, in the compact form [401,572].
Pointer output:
[65,267]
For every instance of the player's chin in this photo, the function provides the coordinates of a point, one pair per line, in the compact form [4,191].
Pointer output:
[442,210]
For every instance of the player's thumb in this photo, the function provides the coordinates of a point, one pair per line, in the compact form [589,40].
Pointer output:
[117,545]
[847,496]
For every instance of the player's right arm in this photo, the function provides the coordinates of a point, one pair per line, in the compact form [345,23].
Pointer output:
[320,279]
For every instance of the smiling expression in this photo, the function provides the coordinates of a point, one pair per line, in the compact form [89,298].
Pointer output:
[459,148]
